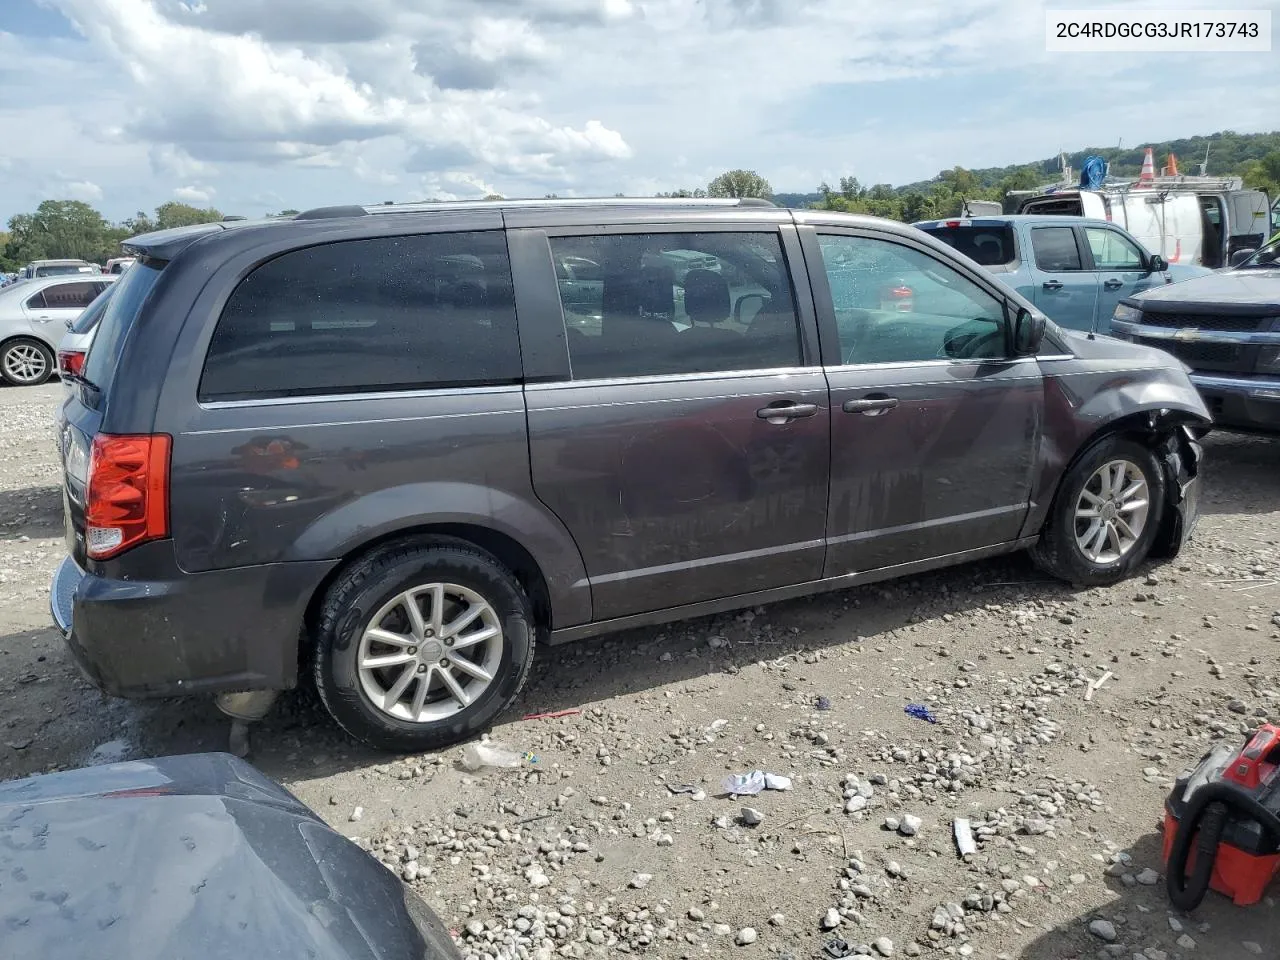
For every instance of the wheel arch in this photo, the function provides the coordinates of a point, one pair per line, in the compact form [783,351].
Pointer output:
[1158,428]
[502,547]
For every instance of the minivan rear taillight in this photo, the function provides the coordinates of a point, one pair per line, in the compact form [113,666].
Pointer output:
[127,493]
[71,362]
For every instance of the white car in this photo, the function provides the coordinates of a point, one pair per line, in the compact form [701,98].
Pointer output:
[34,316]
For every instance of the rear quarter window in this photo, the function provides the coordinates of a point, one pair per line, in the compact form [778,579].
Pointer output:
[93,313]
[367,315]
[126,298]
[987,246]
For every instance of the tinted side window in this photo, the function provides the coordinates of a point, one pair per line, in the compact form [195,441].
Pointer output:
[36,302]
[895,304]
[1055,248]
[70,296]
[1112,250]
[93,313]
[673,303]
[360,315]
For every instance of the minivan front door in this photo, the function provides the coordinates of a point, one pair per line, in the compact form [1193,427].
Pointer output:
[933,429]
[689,451]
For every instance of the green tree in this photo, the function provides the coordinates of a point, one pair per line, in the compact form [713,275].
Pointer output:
[683,194]
[1264,174]
[739,184]
[58,229]
[175,214]
[140,222]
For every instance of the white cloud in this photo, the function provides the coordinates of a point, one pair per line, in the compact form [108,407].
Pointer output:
[169,160]
[193,194]
[82,190]
[298,103]
[239,95]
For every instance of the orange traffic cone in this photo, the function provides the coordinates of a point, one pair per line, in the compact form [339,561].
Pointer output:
[1171,169]
[1148,173]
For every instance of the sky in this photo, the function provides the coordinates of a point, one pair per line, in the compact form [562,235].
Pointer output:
[254,106]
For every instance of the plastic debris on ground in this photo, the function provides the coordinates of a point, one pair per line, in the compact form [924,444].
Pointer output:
[964,837]
[749,784]
[920,712]
[493,755]
[837,949]
[553,715]
[823,703]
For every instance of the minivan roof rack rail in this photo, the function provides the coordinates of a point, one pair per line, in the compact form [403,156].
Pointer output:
[326,213]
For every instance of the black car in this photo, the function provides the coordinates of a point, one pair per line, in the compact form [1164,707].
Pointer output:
[388,450]
[1226,328]
[196,857]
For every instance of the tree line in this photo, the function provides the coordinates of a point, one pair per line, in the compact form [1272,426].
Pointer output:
[74,230]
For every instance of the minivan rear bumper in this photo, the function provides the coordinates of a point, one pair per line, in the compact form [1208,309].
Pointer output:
[182,633]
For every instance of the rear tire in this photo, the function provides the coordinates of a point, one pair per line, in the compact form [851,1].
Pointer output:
[25,362]
[1105,516]
[410,683]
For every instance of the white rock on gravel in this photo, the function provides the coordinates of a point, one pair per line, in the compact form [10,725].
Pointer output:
[831,919]
[910,825]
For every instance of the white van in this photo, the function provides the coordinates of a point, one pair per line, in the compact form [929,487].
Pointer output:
[1204,221]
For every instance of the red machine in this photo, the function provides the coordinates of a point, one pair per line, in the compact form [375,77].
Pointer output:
[1222,822]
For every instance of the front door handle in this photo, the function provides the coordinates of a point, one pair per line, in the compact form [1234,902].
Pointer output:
[787,410]
[871,407]
[1053,284]
[1113,284]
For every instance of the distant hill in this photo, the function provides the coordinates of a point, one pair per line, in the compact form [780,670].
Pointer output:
[1229,152]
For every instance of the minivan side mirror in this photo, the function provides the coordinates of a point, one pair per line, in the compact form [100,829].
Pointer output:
[1028,333]
[1157,264]
[1240,256]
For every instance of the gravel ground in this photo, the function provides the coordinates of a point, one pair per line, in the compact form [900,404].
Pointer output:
[589,849]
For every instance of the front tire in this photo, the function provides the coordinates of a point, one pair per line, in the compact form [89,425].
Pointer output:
[1105,516]
[25,362]
[422,646]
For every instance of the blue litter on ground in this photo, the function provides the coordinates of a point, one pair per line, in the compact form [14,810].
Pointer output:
[920,712]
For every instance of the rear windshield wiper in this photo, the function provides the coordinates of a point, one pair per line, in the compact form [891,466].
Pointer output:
[82,381]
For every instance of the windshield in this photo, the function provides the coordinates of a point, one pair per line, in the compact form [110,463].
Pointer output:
[117,320]
[62,269]
[93,312]
[1267,256]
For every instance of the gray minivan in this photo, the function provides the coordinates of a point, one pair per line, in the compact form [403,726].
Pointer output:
[321,447]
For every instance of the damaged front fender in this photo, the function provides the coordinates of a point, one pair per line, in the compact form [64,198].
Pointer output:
[1180,456]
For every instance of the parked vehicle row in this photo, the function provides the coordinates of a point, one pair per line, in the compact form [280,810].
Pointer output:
[392,448]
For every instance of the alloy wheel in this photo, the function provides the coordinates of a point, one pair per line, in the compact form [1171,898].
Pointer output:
[430,652]
[1112,511]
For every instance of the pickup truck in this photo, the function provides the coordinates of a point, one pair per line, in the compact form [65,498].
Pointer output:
[1226,328]
[1075,269]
